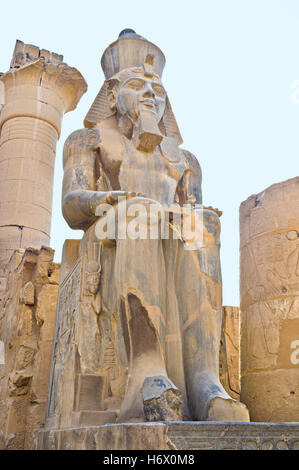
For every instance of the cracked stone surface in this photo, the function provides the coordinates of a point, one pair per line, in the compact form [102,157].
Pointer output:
[162,400]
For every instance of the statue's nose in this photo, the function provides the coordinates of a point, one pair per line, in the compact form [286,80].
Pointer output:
[148,91]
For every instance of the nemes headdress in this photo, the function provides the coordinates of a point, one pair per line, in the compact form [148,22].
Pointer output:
[131,50]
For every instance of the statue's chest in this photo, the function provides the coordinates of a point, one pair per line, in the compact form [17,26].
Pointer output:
[154,175]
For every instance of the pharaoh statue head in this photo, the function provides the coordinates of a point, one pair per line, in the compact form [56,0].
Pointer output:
[133,90]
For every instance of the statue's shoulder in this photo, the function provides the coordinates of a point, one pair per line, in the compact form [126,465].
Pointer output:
[81,141]
[84,138]
[192,163]
[110,136]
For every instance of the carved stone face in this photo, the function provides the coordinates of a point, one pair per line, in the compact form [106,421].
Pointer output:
[138,93]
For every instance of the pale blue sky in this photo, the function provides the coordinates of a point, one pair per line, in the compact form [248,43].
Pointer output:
[229,70]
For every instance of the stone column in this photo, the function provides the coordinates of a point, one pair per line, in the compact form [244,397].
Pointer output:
[269,264]
[38,89]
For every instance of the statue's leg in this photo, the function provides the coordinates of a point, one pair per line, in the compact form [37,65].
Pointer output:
[173,328]
[199,286]
[140,284]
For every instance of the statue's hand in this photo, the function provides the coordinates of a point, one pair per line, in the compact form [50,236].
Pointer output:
[112,196]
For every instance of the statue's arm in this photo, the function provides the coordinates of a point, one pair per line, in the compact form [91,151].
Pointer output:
[79,195]
[189,186]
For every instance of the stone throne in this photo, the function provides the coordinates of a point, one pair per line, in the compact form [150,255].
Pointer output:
[138,321]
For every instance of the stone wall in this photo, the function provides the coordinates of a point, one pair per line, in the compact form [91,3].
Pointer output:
[27,316]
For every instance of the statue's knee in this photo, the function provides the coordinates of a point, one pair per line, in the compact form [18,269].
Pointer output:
[211,218]
[152,210]
[211,226]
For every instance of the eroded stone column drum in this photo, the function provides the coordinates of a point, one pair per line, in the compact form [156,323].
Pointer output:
[269,271]
[27,157]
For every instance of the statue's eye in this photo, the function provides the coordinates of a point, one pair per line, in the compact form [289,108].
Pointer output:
[136,84]
[159,90]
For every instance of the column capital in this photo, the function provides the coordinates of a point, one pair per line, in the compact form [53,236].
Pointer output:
[37,81]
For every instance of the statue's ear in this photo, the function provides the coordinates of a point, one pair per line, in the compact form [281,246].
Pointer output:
[111,87]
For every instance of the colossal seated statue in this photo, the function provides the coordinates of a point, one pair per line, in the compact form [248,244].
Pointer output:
[142,325]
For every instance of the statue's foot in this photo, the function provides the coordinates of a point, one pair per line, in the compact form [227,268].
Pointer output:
[227,409]
[157,400]
[162,401]
[210,402]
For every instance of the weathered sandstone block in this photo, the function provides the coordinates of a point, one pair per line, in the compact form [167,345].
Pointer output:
[173,436]
[27,315]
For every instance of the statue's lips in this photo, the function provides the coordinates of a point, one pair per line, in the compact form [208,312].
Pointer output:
[149,105]
[148,102]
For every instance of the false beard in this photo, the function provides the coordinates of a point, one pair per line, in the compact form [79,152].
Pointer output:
[147,134]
